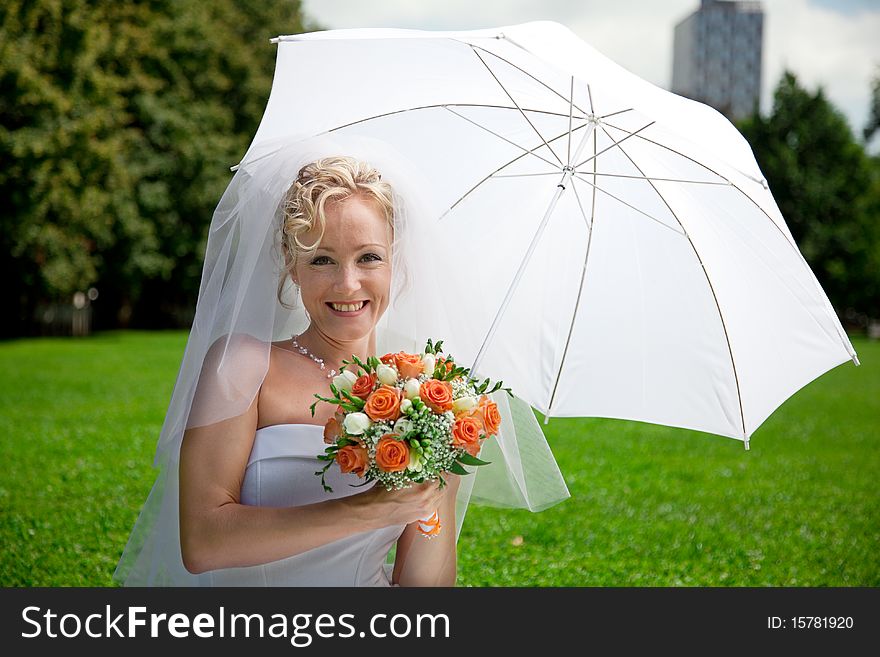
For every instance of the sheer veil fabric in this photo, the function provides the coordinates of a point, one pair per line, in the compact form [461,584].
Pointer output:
[238,316]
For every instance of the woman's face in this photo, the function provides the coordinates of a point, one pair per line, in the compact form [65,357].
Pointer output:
[351,267]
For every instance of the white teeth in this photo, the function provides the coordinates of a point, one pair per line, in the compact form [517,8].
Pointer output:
[347,307]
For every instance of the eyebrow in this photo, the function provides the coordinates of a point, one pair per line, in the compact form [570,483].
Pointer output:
[362,246]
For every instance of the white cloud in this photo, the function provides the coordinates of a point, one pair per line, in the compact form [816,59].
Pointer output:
[836,49]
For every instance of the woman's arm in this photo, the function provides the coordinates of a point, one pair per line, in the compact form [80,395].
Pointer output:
[422,561]
[217,531]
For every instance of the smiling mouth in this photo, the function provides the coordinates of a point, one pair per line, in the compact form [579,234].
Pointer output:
[347,307]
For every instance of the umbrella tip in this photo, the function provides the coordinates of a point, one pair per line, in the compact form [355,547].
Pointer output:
[546,419]
[855,359]
[746,443]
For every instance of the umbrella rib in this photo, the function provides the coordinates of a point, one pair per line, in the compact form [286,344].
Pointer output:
[547,86]
[504,89]
[580,285]
[629,205]
[742,416]
[605,116]
[439,105]
[677,180]
[570,112]
[512,143]
[830,311]
[668,148]
[235,167]
[524,175]
[589,222]
[615,143]
[526,73]
[503,166]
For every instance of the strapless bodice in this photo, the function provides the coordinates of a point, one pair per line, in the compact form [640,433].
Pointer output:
[281,472]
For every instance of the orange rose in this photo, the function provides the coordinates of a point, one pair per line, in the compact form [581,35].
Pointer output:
[388,359]
[408,365]
[364,385]
[392,455]
[466,433]
[490,415]
[352,458]
[450,365]
[437,395]
[383,404]
[332,430]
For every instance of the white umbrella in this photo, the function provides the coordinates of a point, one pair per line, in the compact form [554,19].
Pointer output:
[627,256]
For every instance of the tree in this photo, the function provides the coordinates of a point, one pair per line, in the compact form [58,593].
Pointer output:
[874,111]
[821,178]
[118,124]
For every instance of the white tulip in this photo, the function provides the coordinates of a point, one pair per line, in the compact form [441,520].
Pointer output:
[411,388]
[429,361]
[415,463]
[464,404]
[356,423]
[345,380]
[386,374]
[405,405]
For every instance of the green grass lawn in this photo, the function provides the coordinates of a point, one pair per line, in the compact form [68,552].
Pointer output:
[650,505]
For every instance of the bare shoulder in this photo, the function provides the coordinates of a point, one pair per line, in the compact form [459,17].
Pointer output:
[231,375]
[235,350]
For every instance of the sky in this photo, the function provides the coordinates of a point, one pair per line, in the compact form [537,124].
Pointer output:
[834,44]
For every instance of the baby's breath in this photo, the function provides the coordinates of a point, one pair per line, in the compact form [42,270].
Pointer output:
[460,388]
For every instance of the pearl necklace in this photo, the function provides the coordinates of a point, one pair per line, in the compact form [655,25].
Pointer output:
[306,352]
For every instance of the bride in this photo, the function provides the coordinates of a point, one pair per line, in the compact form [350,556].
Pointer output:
[237,500]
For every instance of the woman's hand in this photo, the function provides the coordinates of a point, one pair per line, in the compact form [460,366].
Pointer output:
[407,504]
[401,507]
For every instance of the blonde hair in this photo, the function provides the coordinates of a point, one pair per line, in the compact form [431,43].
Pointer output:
[327,180]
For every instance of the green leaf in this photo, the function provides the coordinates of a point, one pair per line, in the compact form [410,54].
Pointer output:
[457,468]
[467,459]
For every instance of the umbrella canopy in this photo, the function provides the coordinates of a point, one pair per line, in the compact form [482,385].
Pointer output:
[613,249]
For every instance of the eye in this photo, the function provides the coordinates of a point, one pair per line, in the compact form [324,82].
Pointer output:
[370,257]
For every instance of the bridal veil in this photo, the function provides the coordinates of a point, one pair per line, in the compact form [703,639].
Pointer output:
[238,316]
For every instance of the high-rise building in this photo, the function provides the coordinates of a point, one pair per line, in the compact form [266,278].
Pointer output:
[717,56]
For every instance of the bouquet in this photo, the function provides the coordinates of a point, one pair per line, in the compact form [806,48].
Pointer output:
[408,418]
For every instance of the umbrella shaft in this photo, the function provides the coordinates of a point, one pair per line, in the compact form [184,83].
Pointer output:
[567,172]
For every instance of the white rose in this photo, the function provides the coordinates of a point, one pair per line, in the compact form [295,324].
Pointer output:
[356,423]
[429,361]
[386,374]
[344,380]
[405,405]
[411,388]
[403,425]
[464,404]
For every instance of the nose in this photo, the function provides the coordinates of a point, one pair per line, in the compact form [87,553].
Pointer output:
[347,281]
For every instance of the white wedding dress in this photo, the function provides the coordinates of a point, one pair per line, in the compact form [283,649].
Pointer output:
[281,472]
